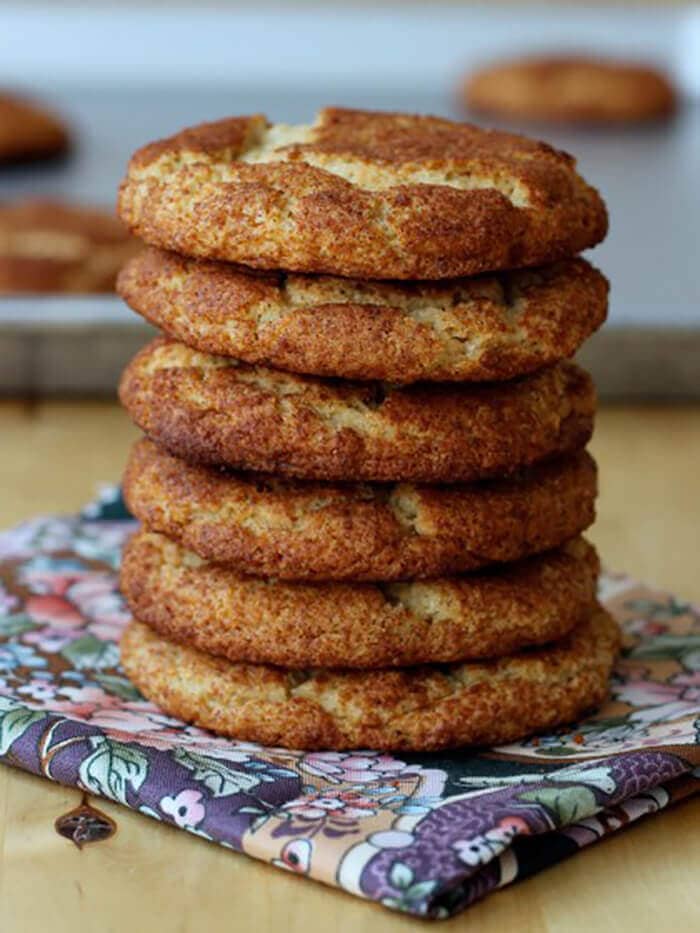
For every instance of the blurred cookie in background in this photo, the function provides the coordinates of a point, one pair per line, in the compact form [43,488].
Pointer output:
[53,246]
[28,131]
[571,89]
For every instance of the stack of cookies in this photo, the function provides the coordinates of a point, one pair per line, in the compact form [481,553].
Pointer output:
[363,482]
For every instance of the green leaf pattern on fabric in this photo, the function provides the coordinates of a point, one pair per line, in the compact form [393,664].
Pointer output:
[567,804]
[215,775]
[112,768]
[15,719]
[15,625]
[89,653]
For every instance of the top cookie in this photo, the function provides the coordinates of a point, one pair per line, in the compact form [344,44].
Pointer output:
[571,90]
[373,195]
[27,131]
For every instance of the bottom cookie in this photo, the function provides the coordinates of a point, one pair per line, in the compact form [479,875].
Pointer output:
[420,709]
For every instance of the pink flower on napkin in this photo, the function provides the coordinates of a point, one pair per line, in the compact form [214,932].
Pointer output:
[338,768]
[185,809]
[346,805]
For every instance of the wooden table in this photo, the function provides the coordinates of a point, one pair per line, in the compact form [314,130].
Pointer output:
[150,877]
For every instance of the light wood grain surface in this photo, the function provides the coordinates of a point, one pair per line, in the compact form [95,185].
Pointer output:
[150,877]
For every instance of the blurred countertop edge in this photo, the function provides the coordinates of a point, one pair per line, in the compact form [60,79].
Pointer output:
[83,357]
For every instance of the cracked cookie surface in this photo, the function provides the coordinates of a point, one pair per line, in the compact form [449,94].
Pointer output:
[216,410]
[488,328]
[354,625]
[294,530]
[358,193]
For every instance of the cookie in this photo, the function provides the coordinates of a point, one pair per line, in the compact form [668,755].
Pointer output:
[291,530]
[479,329]
[52,246]
[566,89]
[212,409]
[28,131]
[372,195]
[413,709]
[357,625]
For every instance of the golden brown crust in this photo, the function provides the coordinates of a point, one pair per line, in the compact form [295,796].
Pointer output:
[372,195]
[314,531]
[479,329]
[53,246]
[215,410]
[572,90]
[28,131]
[357,625]
[416,709]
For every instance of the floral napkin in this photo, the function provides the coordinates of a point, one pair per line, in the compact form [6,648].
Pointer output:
[425,834]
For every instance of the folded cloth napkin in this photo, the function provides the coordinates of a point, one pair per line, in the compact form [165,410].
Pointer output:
[426,834]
